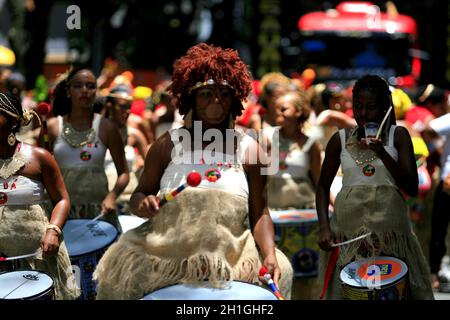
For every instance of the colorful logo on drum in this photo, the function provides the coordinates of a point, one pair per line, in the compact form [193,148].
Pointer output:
[388,269]
[369,170]
[85,156]
[212,175]
[3,198]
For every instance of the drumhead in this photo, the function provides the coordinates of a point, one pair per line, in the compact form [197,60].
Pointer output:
[128,222]
[357,273]
[82,237]
[24,284]
[293,217]
[232,290]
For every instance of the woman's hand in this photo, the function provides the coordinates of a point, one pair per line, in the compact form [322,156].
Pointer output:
[373,144]
[50,243]
[271,264]
[327,238]
[148,207]
[109,204]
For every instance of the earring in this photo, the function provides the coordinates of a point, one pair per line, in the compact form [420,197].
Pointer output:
[11,139]
[188,119]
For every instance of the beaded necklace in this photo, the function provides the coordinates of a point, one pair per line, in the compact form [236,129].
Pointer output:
[359,155]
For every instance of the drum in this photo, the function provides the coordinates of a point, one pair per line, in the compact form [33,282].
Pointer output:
[380,278]
[296,235]
[86,243]
[26,285]
[232,290]
[129,222]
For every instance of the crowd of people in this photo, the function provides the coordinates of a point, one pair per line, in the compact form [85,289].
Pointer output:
[107,147]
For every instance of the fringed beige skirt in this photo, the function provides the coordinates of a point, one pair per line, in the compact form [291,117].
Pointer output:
[383,212]
[21,231]
[286,193]
[200,235]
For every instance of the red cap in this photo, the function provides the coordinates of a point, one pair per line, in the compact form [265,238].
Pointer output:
[263,271]
[43,108]
[194,179]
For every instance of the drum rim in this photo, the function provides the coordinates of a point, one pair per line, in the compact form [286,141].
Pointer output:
[94,250]
[402,278]
[52,287]
[171,285]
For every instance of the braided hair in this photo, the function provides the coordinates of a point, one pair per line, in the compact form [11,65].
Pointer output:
[380,88]
[11,108]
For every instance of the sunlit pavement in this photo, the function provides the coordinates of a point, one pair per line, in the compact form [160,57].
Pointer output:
[441,295]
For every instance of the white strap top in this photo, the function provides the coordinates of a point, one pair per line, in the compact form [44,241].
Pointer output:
[20,190]
[232,176]
[294,162]
[369,174]
[89,155]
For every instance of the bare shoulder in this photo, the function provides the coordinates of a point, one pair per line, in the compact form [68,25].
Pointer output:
[42,155]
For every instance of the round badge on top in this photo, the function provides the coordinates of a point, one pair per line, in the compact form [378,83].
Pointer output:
[3,198]
[85,155]
[368,170]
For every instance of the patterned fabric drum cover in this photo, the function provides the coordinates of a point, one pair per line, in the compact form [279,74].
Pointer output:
[232,290]
[382,278]
[26,285]
[86,243]
[296,235]
[129,222]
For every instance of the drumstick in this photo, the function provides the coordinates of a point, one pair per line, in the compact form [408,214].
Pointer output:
[263,272]
[89,222]
[193,179]
[382,122]
[43,109]
[20,257]
[351,240]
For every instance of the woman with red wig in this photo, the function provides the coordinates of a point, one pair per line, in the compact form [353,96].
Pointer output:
[220,230]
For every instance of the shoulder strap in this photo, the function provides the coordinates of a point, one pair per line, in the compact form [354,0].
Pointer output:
[342,136]
[391,135]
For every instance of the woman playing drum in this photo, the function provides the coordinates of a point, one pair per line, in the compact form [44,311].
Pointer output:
[375,173]
[25,172]
[216,232]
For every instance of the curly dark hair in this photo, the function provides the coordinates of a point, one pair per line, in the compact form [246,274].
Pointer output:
[203,62]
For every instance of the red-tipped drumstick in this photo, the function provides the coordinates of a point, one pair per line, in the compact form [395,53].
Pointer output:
[263,272]
[193,179]
[44,109]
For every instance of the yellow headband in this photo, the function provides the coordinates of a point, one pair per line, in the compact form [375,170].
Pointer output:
[209,82]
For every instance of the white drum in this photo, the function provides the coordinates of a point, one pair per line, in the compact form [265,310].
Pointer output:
[86,243]
[128,222]
[232,290]
[26,285]
[380,278]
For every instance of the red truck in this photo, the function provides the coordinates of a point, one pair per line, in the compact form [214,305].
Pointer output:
[355,39]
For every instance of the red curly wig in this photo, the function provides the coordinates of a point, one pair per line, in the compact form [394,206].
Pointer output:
[203,62]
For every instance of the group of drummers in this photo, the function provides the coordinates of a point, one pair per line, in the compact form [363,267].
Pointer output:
[328,223]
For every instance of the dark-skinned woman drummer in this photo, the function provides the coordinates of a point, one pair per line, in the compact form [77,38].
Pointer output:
[376,172]
[80,139]
[219,231]
[25,172]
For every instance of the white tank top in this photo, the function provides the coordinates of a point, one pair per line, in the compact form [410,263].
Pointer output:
[89,155]
[373,173]
[294,161]
[232,176]
[20,190]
